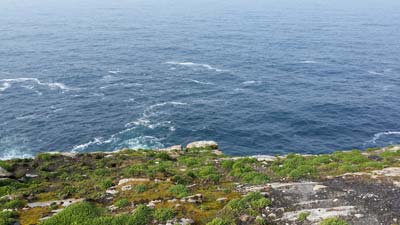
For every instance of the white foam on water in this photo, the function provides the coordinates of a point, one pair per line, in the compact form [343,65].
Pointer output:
[200,82]
[4,86]
[309,62]
[377,136]
[375,72]
[14,154]
[12,147]
[192,64]
[7,83]
[250,82]
[95,141]
[121,139]
[114,71]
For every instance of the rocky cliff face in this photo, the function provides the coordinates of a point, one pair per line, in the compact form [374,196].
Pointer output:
[201,185]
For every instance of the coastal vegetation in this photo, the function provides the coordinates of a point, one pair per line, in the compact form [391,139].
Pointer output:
[197,185]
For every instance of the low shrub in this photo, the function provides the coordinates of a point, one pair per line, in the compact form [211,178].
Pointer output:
[164,214]
[303,216]
[14,204]
[219,221]
[140,188]
[8,217]
[334,221]
[122,203]
[179,191]
[106,183]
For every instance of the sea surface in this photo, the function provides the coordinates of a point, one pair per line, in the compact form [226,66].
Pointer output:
[257,76]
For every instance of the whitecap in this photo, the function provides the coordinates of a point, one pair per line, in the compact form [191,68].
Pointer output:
[250,82]
[95,141]
[114,71]
[200,82]
[4,86]
[15,154]
[377,136]
[375,72]
[309,62]
[12,147]
[192,64]
[7,83]
[121,139]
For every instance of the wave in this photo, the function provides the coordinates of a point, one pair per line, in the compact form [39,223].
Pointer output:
[192,64]
[4,86]
[309,62]
[14,154]
[7,83]
[12,147]
[250,82]
[200,82]
[126,138]
[375,72]
[114,71]
[377,136]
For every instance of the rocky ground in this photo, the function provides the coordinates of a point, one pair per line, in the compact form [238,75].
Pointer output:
[201,185]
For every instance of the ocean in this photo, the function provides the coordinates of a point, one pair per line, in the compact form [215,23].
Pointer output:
[258,77]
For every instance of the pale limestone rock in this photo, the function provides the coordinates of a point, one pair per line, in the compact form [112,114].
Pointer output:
[4,173]
[202,144]
[127,180]
[319,187]
[64,203]
[126,188]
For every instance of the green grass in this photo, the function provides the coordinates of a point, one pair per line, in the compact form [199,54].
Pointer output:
[86,213]
[164,214]
[179,191]
[334,221]
[122,203]
[303,216]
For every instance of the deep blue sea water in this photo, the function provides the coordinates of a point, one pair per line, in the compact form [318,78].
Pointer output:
[259,77]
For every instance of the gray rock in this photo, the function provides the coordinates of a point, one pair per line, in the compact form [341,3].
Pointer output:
[202,144]
[126,188]
[222,200]
[4,173]
[172,148]
[197,198]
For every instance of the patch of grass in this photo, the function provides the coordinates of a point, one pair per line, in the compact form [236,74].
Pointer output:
[122,203]
[140,188]
[219,221]
[163,156]
[303,216]
[164,214]
[8,217]
[80,213]
[179,191]
[5,165]
[46,156]
[210,173]
[251,204]
[14,204]
[106,183]
[334,221]
[86,213]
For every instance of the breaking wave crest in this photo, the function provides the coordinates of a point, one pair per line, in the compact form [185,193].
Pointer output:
[132,136]
[379,135]
[192,64]
[7,83]
[200,82]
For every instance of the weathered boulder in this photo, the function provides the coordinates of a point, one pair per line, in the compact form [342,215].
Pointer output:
[197,198]
[202,144]
[172,148]
[4,173]
[222,200]
[127,180]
